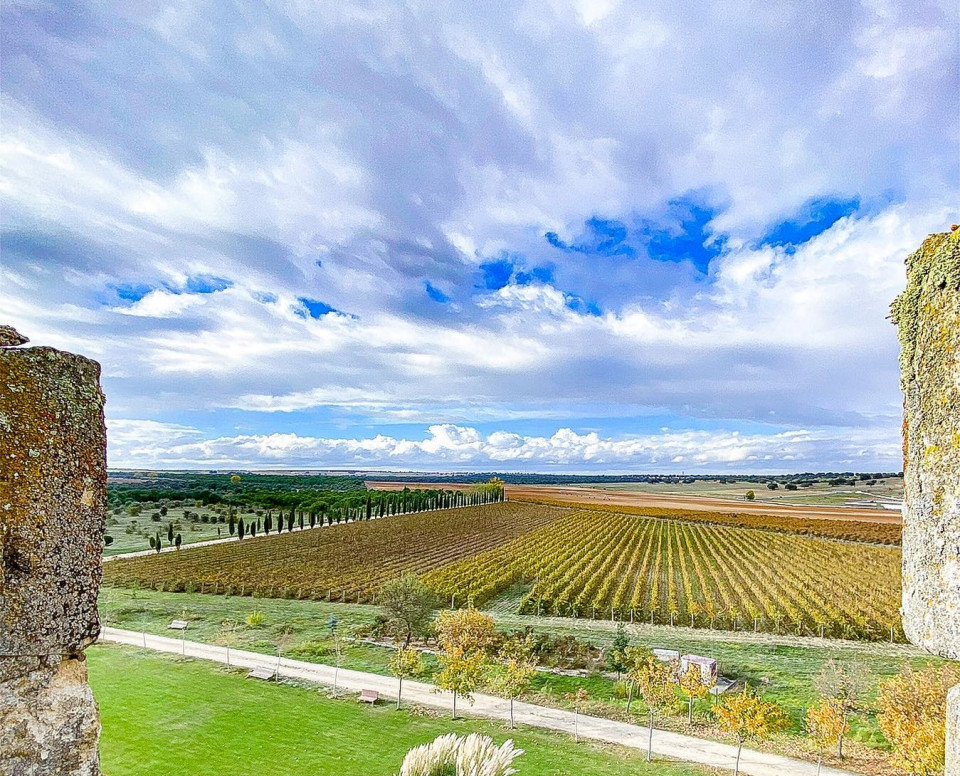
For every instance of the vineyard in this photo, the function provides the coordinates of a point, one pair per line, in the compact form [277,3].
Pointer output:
[345,562]
[612,565]
[573,562]
[847,530]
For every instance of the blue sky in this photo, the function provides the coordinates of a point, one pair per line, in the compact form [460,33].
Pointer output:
[554,236]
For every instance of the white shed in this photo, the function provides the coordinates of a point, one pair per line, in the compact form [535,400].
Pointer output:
[708,667]
[666,655]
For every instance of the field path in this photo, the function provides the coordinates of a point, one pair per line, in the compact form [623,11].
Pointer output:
[666,744]
[614,498]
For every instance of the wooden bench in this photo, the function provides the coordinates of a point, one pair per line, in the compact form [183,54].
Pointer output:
[262,672]
[369,696]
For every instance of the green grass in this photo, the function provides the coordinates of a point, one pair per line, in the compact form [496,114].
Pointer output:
[131,533]
[164,716]
[784,673]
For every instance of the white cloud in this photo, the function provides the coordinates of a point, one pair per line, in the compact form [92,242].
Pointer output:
[450,447]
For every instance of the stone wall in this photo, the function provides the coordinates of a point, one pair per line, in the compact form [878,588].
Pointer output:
[928,318]
[52,512]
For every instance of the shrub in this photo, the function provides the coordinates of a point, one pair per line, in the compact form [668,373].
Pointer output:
[254,619]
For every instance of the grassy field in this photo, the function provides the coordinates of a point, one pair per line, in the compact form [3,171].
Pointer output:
[164,716]
[132,532]
[821,493]
[784,671]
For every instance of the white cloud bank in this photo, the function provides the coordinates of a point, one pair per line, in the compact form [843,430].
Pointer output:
[447,447]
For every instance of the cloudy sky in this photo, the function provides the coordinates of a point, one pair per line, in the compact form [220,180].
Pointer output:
[549,236]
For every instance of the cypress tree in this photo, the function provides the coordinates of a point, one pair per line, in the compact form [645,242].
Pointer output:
[232,524]
[240,528]
[169,532]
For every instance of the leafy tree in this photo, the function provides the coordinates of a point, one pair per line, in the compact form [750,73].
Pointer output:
[692,685]
[107,540]
[178,540]
[635,659]
[235,479]
[912,711]
[772,485]
[466,629]
[825,724]
[846,683]
[655,685]
[616,657]
[751,495]
[406,661]
[460,672]
[518,668]
[153,543]
[747,716]
[407,604]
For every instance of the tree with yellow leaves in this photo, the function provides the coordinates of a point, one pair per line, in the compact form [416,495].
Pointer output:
[693,686]
[826,724]
[460,673]
[655,685]
[747,716]
[913,708]
[846,683]
[406,661]
[468,629]
[634,658]
[518,668]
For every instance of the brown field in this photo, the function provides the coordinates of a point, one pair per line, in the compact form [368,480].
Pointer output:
[614,498]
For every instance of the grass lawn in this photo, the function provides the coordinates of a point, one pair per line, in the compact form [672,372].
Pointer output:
[165,716]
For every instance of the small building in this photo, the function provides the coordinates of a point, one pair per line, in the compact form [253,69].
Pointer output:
[708,667]
[666,655]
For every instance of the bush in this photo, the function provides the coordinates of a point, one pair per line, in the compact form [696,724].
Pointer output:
[255,619]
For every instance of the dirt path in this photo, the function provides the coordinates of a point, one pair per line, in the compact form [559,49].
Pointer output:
[615,498]
[666,744]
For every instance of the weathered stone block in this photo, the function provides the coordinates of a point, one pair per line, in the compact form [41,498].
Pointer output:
[928,317]
[48,718]
[52,501]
